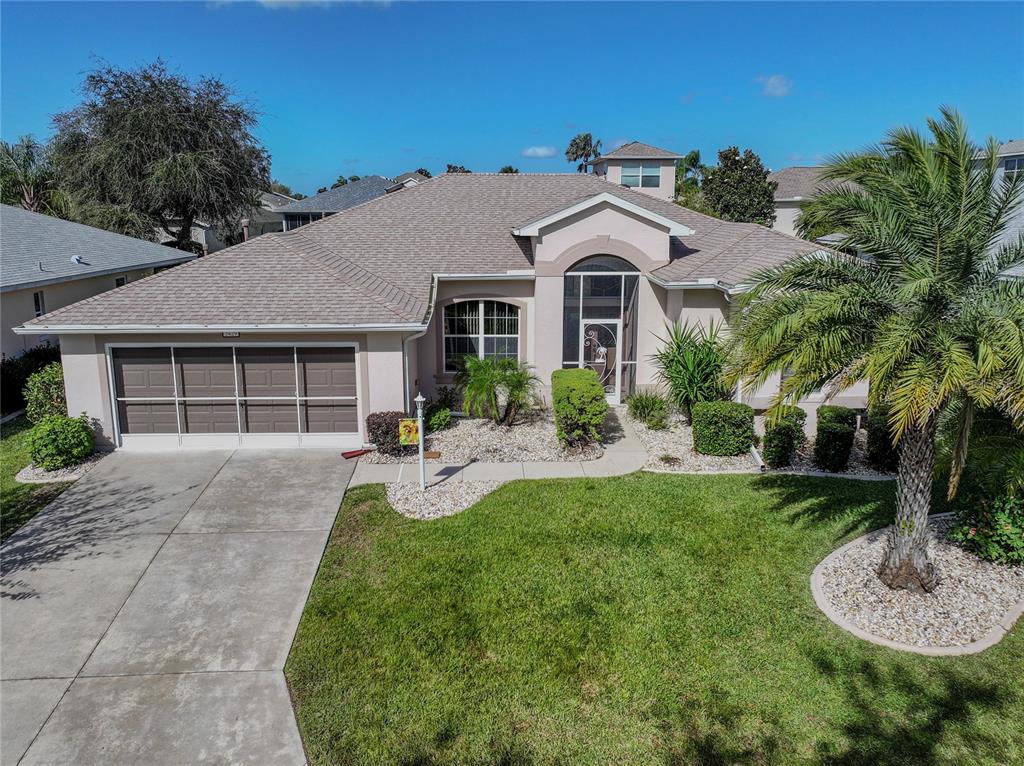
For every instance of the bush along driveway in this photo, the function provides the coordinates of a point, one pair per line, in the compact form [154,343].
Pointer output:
[646,619]
[19,502]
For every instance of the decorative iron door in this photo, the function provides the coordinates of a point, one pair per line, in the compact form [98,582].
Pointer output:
[599,350]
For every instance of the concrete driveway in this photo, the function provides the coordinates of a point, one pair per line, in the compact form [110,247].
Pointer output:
[145,616]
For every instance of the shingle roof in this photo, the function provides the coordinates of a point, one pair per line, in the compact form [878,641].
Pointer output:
[796,183]
[37,249]
[374,263]
[637,151]
[335,200]
[1011,147]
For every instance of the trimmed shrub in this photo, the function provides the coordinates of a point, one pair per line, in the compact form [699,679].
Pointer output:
[783,437]
[832,446]
[44,393]
[722,428]
[650,408]
[382,431]
[437,418]
[580,406]
[994,530]
[882,455]
[15,370]
[58,441]
[830,413]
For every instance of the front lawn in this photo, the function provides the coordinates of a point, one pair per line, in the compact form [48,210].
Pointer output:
[19,502]
[648,619]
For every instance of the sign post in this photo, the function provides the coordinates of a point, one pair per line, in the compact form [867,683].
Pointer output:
[419,419]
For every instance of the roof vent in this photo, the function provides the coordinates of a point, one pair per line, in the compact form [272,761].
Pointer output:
[76,259]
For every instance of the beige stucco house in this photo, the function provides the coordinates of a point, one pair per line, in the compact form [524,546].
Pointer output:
[293,338]
[47,263]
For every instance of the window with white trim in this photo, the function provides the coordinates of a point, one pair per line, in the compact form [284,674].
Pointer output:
[39,303]
[1013,165]
[485,329]
[648,176]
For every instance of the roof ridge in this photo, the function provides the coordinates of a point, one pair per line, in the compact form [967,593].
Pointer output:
[375,283]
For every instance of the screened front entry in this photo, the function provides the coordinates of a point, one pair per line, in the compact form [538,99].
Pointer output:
[236,396]
[599,322]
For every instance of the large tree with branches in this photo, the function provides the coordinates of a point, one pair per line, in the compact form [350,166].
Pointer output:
[924,311]
[151,149]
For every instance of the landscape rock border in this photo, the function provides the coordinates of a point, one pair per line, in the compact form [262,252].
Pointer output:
[30,474]
[993,637]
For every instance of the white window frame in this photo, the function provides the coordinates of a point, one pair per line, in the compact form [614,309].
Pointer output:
[644,171]
[39,303]
[479,335]
[1017,166]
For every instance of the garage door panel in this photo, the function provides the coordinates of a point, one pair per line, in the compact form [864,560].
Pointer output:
[327,417]
[147,418]
[205,371]
[327,371]
[269,417]
[266,371]
[143,372]
[209,418]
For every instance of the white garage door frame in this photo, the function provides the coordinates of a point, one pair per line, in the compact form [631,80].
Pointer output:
[239,439]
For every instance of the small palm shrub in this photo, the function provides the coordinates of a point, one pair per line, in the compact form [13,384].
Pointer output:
[58,441]
[690,363]
[580,406]
[830,413]
[722,428]
[44,393]
[783,436]
[649,408]
[382,431]
[499,389]
[437,419]
[882,455]
[994,529]
[833,443]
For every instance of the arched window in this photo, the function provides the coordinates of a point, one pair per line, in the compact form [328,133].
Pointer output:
[603,263]
[479,328]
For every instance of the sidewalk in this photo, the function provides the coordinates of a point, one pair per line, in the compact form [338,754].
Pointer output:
[623,454]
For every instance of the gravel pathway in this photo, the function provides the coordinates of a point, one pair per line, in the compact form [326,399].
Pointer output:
[443,499]
[30,474]
[470,439]
[672,450]
[973,595]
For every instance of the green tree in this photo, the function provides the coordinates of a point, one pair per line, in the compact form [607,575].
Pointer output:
[738,189]
[424,172]
[689,173]
[582,148]
[924,314]
[285,189]
[457,169]
[150,146]
[509,169]
[342,181]
[28,178]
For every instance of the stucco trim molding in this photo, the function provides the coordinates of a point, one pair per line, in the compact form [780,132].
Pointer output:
[156,329]
[598,245]
[532,229]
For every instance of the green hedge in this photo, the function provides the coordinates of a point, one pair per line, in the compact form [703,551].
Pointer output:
[580,406]
[44,393]
[832,446]
[58,441]
[15,370]
[830,413]
[722,428]
[882,455]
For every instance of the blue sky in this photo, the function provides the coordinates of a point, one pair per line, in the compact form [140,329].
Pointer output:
[360,88]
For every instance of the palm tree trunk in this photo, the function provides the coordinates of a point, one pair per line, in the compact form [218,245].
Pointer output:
[906,564]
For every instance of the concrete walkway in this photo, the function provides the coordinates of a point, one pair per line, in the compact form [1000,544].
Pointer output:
[623,453]
[147,613]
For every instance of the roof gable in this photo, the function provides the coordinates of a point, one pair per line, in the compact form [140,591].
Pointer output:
[532,228]
[635,150]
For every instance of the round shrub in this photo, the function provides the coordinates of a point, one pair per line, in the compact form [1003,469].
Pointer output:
[58,441]
[44,393]
[831,413]
[781,441]
[832,446]
[994,529]
[438,419]
[580,406]
[722,428]
[881,454]
[382,431]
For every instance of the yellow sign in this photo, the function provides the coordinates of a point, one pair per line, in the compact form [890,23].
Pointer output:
[408,431]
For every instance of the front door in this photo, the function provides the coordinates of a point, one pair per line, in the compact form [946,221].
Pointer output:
[599,350]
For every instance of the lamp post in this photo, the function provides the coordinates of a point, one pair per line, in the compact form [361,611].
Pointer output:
[419,422]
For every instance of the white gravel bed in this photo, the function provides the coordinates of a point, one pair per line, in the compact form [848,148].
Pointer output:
[672,450]
[445,498]
[972,597]
[473,439]
[31,474]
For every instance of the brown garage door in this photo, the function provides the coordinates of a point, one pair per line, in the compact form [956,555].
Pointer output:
[221,390]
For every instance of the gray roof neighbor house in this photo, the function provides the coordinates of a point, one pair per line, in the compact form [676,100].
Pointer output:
[341,198]
[636,150]
[37,250]
[374,264]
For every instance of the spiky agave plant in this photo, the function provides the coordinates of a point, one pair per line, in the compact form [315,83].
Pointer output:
[690,363]
[926,311]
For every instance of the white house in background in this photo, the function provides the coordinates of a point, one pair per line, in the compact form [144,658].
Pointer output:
[643,167]
[796,185]
[47,263]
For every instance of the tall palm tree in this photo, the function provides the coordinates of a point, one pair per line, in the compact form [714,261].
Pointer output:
[28,178]
[923,311]
[582,149]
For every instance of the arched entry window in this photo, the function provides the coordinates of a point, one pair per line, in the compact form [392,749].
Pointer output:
[599,321]
[479,328]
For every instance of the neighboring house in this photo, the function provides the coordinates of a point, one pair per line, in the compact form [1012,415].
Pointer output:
[335,200]
[795,186]
[264,219]
[642,167]
[47,263]
[294,338]
[1011,160]
[406,181]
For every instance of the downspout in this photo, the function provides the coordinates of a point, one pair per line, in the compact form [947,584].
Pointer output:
[415,336]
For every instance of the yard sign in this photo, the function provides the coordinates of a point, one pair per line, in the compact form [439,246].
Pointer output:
[408,432]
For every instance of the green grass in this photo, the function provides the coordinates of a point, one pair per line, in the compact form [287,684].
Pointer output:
[19,502]
[648,619]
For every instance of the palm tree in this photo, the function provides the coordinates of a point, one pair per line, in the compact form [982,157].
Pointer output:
[28,178]
[689,173]
[924,311]
[582,149]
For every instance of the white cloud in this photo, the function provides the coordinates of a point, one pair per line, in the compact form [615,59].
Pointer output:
[774,86]
[539,152]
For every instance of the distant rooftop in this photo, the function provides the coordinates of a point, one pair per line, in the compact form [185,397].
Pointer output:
[342,198]
[635,150]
